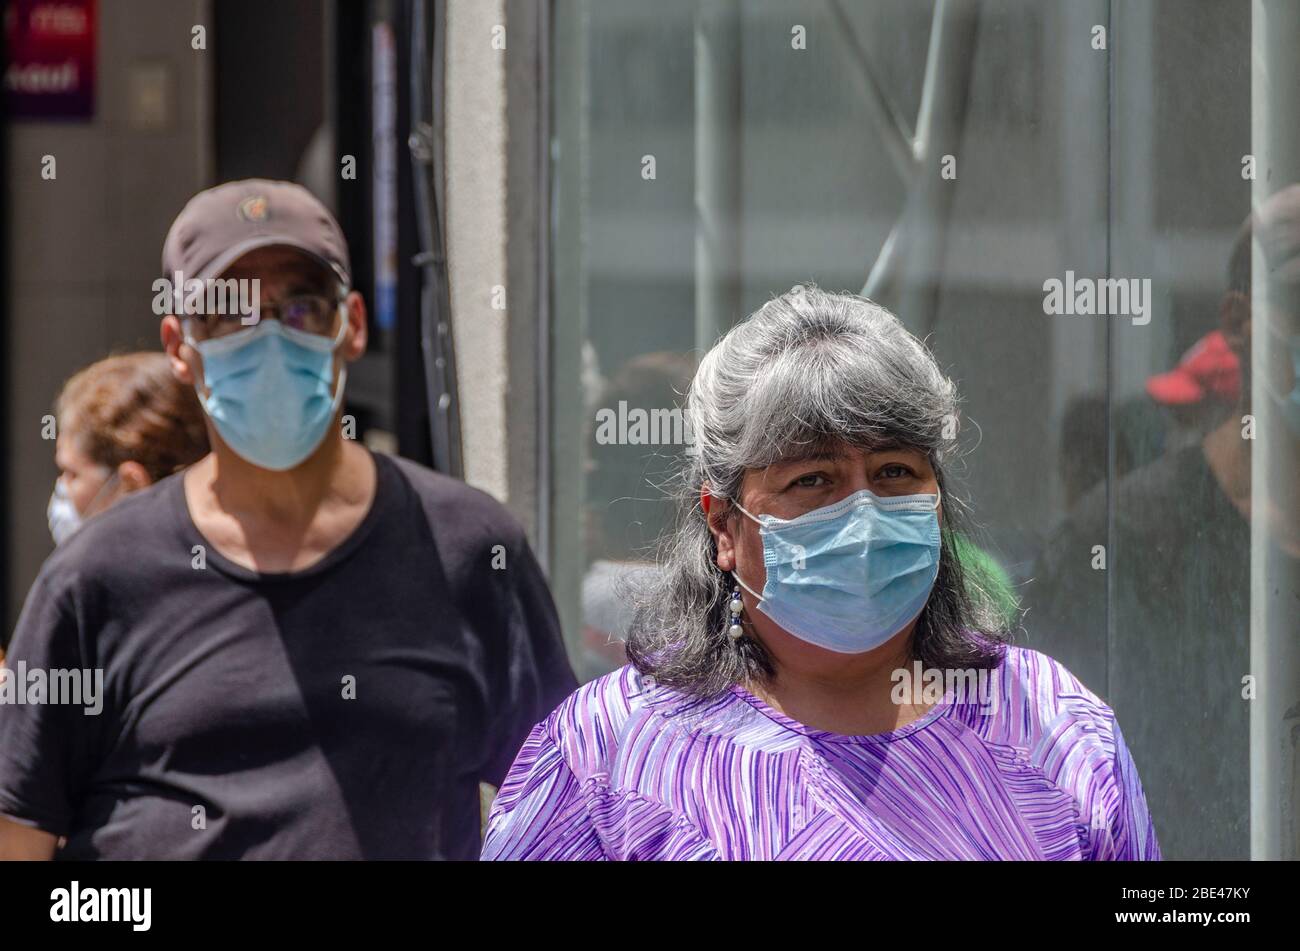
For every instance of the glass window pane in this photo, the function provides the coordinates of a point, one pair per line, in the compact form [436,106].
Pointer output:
[1063,221]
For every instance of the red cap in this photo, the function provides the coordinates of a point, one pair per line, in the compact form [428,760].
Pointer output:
[1209,368]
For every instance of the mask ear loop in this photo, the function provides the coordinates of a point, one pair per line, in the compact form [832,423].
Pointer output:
[735,577]
[752,518]
[193,344]
[113,479]
[343,370]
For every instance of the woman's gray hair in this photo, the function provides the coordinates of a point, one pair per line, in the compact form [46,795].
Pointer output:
[808,369]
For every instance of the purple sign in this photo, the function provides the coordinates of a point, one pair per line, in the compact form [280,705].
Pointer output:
[50,62]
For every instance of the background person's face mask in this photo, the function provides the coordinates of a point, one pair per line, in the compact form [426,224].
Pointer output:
[62,515]
[270,391]
[849,576]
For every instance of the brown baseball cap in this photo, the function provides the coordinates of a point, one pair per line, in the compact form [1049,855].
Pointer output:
[219,226]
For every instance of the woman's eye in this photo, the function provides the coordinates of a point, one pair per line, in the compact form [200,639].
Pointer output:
[809,481]
[895,471]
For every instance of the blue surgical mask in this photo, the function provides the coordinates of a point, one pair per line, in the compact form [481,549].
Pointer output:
[849,576]
[270,391]
[64,519]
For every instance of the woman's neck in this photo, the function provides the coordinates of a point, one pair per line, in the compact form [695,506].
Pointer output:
[852,694]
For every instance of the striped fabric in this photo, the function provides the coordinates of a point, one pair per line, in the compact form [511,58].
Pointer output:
[626,769]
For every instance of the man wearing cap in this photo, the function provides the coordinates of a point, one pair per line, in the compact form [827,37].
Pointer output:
[1201,389]
[307,650]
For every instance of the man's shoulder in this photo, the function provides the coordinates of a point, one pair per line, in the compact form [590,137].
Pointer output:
[455,506]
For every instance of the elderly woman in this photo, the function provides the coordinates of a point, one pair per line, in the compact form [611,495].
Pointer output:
[812,575]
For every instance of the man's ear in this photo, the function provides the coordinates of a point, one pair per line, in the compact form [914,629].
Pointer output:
[354,344]
[173,339]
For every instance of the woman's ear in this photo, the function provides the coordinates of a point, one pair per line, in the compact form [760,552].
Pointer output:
[726,558]
[716,512]
[133,477]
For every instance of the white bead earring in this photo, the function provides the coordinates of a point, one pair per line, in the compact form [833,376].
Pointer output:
[734,630]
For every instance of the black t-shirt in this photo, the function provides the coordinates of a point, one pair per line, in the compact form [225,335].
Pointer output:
[1163,634]
[346,711]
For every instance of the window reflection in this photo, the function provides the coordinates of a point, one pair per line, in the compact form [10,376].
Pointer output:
[1087,434]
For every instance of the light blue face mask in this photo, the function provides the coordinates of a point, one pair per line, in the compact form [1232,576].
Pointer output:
[270,391]
[65,521]
[849,576]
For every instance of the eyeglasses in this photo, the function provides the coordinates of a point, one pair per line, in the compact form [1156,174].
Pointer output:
[309,313]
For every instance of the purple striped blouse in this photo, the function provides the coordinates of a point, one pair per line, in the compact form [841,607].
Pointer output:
[626,769]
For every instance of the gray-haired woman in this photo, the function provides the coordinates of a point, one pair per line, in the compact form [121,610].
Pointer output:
[812,676]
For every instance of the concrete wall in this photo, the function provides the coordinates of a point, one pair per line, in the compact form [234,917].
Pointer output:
[84,248]
[493,201]
[476,209]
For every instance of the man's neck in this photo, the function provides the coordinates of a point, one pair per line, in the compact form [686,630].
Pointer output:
[1228,456]
[281,521]
[287,498]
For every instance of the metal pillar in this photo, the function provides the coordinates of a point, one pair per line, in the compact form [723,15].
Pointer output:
[1274,626]
[717,169]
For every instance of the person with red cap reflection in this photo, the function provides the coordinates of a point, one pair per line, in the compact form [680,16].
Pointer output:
[1171,612]
[1200,390]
